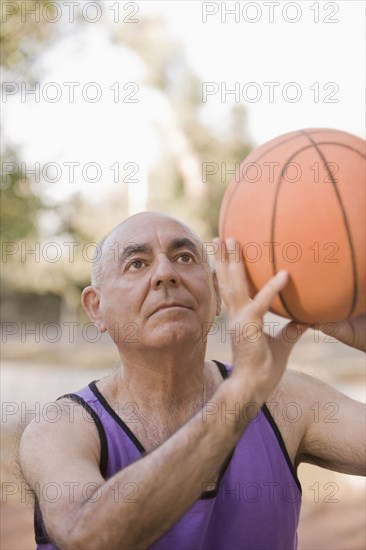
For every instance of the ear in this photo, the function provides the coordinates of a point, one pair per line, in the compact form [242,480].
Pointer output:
[90,300]
[217,293]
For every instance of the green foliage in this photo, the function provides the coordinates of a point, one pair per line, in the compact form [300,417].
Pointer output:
[19,205]
[171,190]
[22,41]
[176,185]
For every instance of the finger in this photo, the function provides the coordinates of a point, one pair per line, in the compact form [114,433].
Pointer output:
[238,277]
[266,295]
[221,271]
[231,274]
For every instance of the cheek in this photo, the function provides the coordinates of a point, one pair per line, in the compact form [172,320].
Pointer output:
[207,300]
[122,304]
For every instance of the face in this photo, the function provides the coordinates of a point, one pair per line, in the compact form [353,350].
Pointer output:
[157,289]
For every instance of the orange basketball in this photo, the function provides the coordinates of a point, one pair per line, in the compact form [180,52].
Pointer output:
[298,203]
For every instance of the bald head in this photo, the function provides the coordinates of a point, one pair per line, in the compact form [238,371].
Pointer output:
[126,232]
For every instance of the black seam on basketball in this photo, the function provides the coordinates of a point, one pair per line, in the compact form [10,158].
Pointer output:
[311,131]
[345,219]
[273,225]
[344,145]
[281,296]
[297,135]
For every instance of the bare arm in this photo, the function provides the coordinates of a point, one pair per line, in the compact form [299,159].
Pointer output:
[335,427]
[172,477]
[139,503]
[351,332]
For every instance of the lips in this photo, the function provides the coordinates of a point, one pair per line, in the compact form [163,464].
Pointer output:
[167,305]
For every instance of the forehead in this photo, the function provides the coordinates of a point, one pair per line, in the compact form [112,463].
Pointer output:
[156,232]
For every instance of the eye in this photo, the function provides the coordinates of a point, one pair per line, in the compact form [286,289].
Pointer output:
[185,258]
[135,265]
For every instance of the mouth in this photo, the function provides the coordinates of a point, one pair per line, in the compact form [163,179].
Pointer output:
[172,306]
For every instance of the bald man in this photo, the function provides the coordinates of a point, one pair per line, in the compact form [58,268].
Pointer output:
[171,451]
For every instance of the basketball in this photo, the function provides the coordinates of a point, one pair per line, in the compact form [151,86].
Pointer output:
[298,203]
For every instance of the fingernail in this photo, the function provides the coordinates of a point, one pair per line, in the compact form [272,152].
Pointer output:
[281,275]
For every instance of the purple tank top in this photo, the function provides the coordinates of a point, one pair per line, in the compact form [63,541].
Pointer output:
[256,502]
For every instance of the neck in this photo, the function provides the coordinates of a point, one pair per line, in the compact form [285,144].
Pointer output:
[166,378]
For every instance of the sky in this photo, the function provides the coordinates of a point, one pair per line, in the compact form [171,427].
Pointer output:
[292,65]
[231,49]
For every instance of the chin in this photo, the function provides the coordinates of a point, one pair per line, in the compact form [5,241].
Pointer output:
[174,334]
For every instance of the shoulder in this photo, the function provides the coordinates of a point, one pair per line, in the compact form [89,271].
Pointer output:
[300,388]
[306,392]
[70,413]
[290,405]
[62,453]
[317,423]
[298,398]
[64,426]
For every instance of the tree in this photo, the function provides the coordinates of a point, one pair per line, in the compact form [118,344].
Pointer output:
[181,187]
[21,43]
[176,184]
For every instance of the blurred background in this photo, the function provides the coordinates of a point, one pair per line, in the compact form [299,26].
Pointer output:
[110,108]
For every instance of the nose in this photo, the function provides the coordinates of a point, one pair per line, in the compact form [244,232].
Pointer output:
[164,273]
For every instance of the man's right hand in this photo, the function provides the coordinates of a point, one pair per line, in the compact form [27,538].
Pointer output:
[258,362]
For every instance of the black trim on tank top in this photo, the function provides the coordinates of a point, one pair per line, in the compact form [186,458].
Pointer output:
[40,533]
[275,429]
[114,415]
[281,443]
[223,370]
[41,536]
[103,462]
[206,495]
[94,389]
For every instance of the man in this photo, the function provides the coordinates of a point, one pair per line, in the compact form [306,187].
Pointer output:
[175,452]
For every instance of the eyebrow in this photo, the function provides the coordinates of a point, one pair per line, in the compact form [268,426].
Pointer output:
[183,243]
[134,248]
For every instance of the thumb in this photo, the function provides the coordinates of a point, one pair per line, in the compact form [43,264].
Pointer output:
[290,334]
